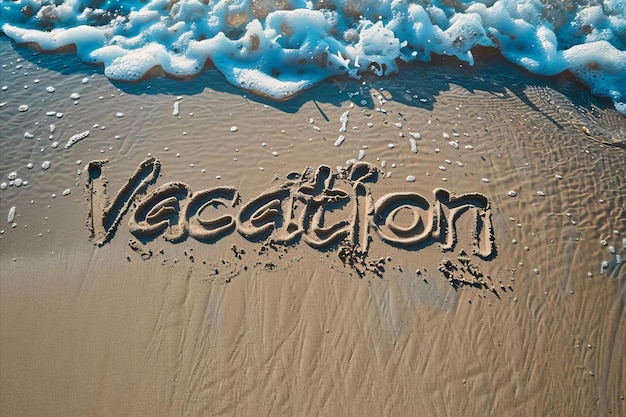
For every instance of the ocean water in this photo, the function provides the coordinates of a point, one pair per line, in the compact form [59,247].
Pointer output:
[279,48]
[153,327]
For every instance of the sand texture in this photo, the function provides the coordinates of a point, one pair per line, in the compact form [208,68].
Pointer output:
[444,242]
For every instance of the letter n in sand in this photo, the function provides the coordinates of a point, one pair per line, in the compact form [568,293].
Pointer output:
[449,207]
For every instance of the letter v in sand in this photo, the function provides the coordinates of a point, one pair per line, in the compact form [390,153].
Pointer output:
[104,217]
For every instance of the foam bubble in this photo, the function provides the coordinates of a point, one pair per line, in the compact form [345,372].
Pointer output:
[11,215]
[75,138]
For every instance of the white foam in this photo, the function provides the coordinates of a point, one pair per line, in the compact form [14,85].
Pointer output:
[75,138]
[279,53]
[601,66]
[344,121]
[11,215]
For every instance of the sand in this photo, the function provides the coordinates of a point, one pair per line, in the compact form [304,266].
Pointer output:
[340,289]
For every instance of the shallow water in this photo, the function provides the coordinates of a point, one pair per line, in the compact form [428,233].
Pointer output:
[198,328]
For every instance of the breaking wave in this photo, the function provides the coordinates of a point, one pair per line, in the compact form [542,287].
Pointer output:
[279,48]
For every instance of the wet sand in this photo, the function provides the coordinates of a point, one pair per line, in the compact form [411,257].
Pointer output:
[523,320]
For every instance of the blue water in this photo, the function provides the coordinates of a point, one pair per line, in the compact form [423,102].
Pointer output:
[279,48]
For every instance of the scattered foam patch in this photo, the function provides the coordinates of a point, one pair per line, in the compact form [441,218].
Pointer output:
[280,49]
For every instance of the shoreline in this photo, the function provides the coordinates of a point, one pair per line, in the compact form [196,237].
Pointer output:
[254,327]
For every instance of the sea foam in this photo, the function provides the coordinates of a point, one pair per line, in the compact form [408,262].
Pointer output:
[278,49]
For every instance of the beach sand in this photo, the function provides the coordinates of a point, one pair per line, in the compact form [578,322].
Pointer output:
[244,326]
